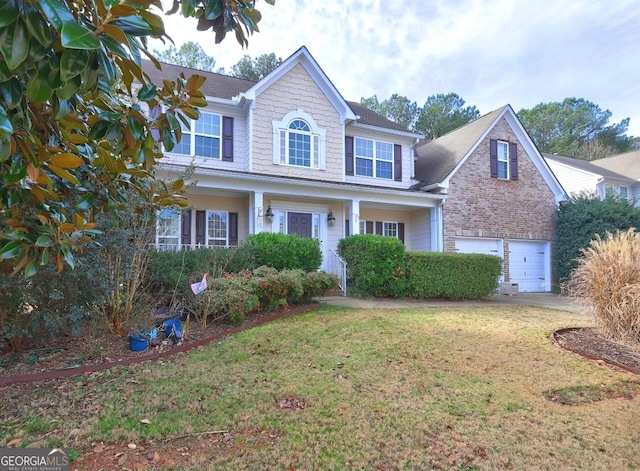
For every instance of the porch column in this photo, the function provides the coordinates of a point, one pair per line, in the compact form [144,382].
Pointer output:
[354,217]
[437,230]
[256,213]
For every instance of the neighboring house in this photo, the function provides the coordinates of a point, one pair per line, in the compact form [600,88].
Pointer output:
[501,195]
[581,176]
[289,154]
[628,165]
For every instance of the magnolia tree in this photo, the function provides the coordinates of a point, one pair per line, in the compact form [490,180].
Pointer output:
[81,125]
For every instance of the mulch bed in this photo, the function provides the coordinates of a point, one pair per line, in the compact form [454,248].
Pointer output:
[68,356]
[589,343]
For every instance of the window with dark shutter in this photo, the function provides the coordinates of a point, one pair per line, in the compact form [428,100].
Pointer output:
[227,139]
[201,227]
[379,227]
[368,225]
[346,228]
[397,162]
[233,229]
[348,155]
[493,157]
[185,228]
[401,231]
[513,161]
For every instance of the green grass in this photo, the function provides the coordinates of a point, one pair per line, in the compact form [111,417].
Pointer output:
[450,388]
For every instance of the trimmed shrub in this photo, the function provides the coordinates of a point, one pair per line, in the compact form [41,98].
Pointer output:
[607,279]
[581,218]
[285,251]
[234,296]
[452,275]
[375,264]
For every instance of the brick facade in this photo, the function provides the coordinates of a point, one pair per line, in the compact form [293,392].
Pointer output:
[481,206]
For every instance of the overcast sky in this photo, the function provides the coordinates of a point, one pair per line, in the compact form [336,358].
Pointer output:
[490,52]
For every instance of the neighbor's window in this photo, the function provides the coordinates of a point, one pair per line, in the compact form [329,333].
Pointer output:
[168,228]
[624,192]
[217,228]
[373,158]
[503,159]
[203,139]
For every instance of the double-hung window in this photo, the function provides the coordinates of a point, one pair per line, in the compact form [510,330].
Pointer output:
[390,229]
[203,138]
[503,157]
[168,229]
[503,160]
[373,158]
[217,228]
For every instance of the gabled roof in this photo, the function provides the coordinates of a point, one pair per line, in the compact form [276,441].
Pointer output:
[304,58]
[439,159]
[216,85]
[220,86]
[627,164]
[371,118]
[586,166]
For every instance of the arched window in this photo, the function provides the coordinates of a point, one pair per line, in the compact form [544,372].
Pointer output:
[298,141]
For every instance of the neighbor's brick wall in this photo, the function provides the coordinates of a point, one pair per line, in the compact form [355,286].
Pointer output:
[296,90]
[481,206]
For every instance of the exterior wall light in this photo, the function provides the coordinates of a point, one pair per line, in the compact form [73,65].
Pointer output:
[331,219]
[269,215]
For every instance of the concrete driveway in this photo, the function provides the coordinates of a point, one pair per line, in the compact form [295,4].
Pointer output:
[547,300]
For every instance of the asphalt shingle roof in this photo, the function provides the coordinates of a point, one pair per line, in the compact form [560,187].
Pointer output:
[439,157]
[226,87]
[627,164]
[587,166]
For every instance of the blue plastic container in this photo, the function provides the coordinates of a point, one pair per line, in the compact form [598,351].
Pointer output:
[172,329]
[138,341]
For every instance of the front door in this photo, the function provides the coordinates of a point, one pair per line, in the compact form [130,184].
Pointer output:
[299,223]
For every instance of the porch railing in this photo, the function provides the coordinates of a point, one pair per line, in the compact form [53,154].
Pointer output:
[337,266]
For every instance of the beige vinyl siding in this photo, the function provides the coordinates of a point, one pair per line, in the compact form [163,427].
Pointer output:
[296,91]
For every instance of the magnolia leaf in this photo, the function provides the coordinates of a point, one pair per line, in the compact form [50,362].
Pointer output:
[38,89]
[11,250]
[11,92]
[76,36]
[57,12]
[73,62]
[64,174]
[44,241]
[66,160]
[37,26]
[14,44]
[9,12]
[6,128]
[147,92]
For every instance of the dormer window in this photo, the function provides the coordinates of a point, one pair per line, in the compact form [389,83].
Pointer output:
[298,141]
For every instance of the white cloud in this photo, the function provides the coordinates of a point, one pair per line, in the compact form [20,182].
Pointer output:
[490,52]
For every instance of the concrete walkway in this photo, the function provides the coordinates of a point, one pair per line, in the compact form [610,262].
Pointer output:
[548,300]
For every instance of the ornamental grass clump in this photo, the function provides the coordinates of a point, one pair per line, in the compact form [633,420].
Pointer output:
[607,280]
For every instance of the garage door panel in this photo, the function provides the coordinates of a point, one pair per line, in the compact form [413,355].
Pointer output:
[528,265]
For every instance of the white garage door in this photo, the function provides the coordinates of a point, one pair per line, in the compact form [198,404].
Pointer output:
[477,245]
[483,246]
[529,265]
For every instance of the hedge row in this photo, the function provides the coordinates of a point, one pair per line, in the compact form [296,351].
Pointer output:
[451,275]
[379,266]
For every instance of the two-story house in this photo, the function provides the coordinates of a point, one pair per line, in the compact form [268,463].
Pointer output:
[289,154]
[598,177]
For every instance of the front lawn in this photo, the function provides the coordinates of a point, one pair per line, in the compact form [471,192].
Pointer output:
[449,388]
